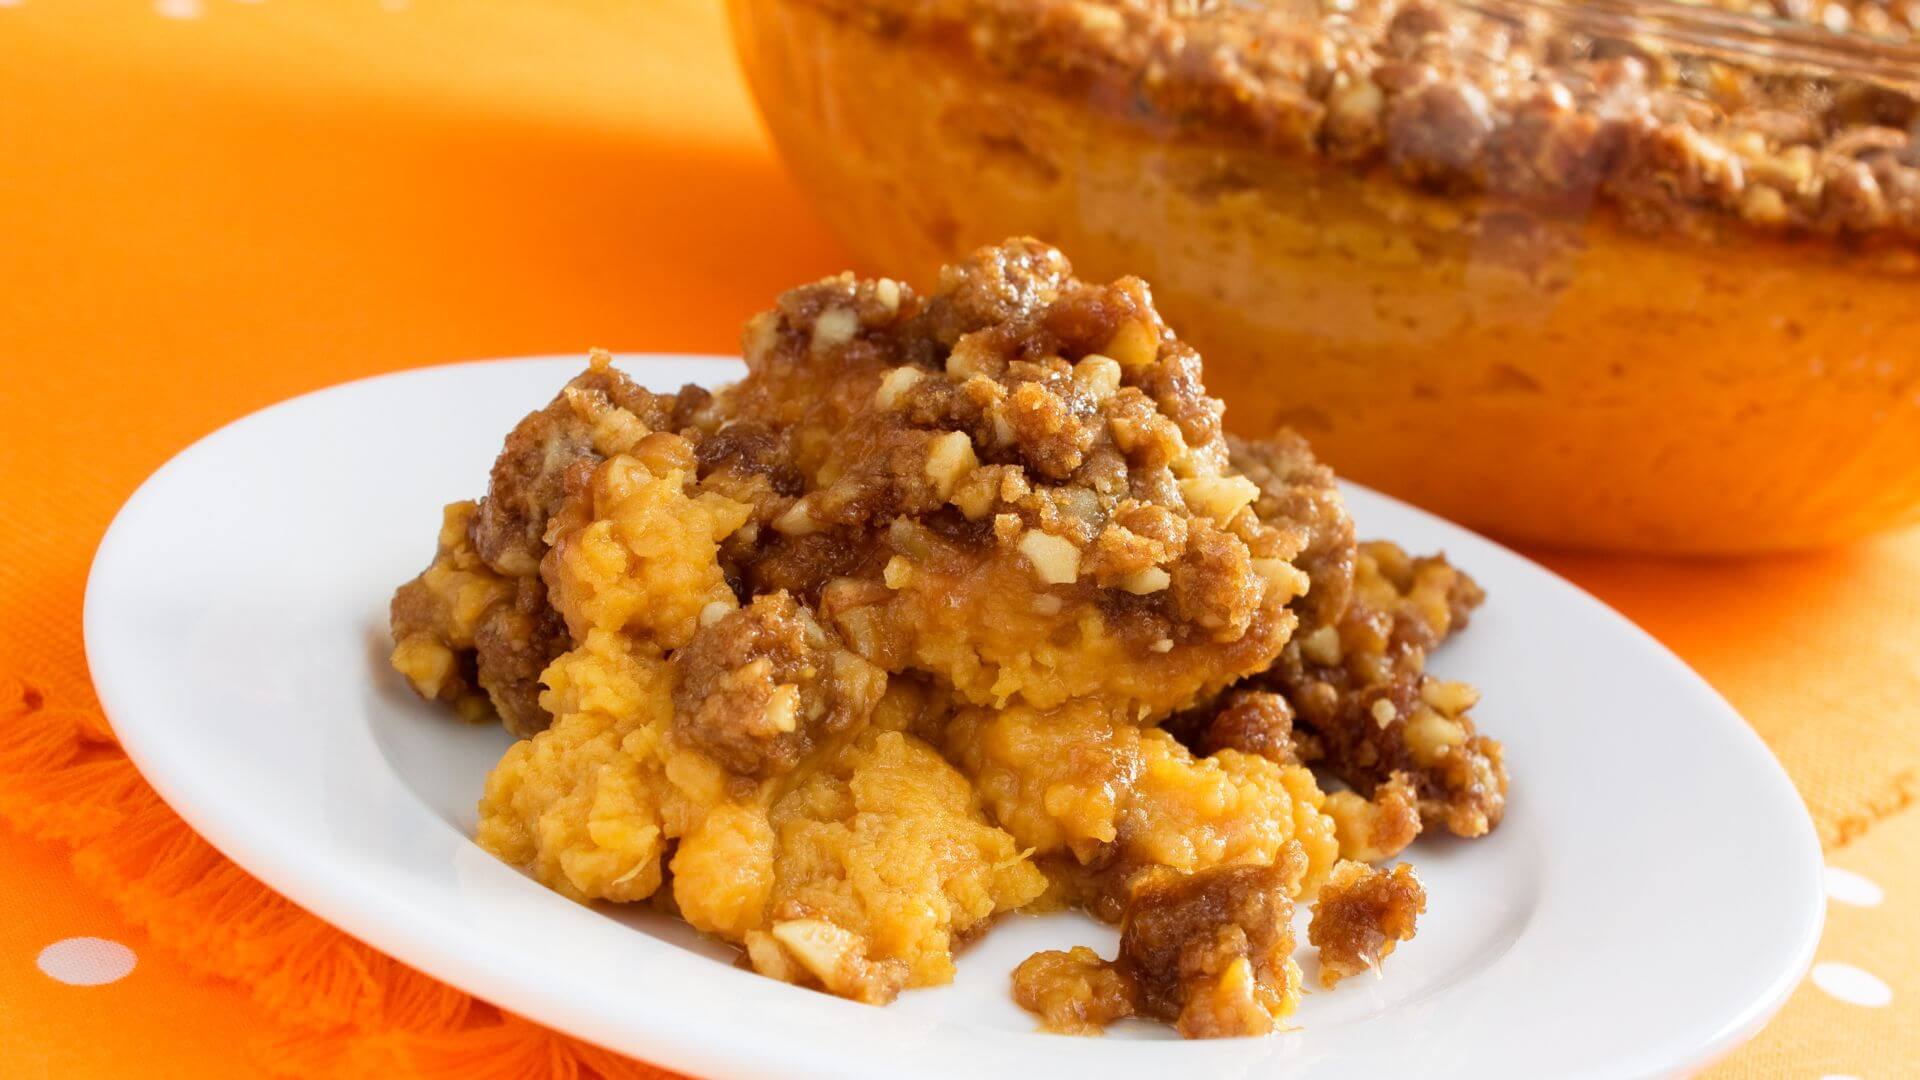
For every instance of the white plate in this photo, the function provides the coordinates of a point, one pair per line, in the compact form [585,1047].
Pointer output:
[1651,898]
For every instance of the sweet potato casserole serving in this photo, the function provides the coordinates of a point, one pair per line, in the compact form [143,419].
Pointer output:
[958,604]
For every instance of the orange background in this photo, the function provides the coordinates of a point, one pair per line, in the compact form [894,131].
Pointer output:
[209,205]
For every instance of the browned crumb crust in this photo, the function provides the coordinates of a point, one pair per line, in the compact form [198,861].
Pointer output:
[473,638]
[1557,112]
[1352,696]
[1362,913]
[502,632]
[1361,686]
[510,650]
[1022,451]
[761,685]
[1252,721]
[1350,693]
[1297,491]
[1211,952]
[556,446]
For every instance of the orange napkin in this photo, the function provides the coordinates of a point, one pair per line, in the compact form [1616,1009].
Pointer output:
[210,205]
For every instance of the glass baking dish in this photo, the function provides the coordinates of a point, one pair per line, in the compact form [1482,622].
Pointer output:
[1606,274]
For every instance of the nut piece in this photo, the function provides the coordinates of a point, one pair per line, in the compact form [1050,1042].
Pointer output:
[1764,205]
[834,328]
[1384,713]
[714,612]
[1055,560]
[1218,497]
[425,661]
[972,355]
[950,459]
[783,707]
[895,384]
[1450,696]
[976,498]
[1429,735]
[897,573]
[795,949]
[1098,375]
[797,521]
[1287,579]
[1322,646]
[1143,582]
[817,944]
[1134,345]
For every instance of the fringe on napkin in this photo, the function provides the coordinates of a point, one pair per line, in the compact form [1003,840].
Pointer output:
[348,1011]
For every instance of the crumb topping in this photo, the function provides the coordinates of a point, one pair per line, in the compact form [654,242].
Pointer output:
[1359,686]
[1361,914]
[1546,103]
[1211,952]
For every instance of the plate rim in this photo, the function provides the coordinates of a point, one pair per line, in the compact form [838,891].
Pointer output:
[444,964]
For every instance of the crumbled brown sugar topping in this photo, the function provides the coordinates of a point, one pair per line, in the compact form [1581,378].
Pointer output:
[1210,952]
[1363,912]
[1453,101]
[1043,457]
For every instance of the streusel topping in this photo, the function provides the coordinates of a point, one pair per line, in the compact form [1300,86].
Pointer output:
[1532,102]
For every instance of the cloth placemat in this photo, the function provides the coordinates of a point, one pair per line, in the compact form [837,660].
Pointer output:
[209,205]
